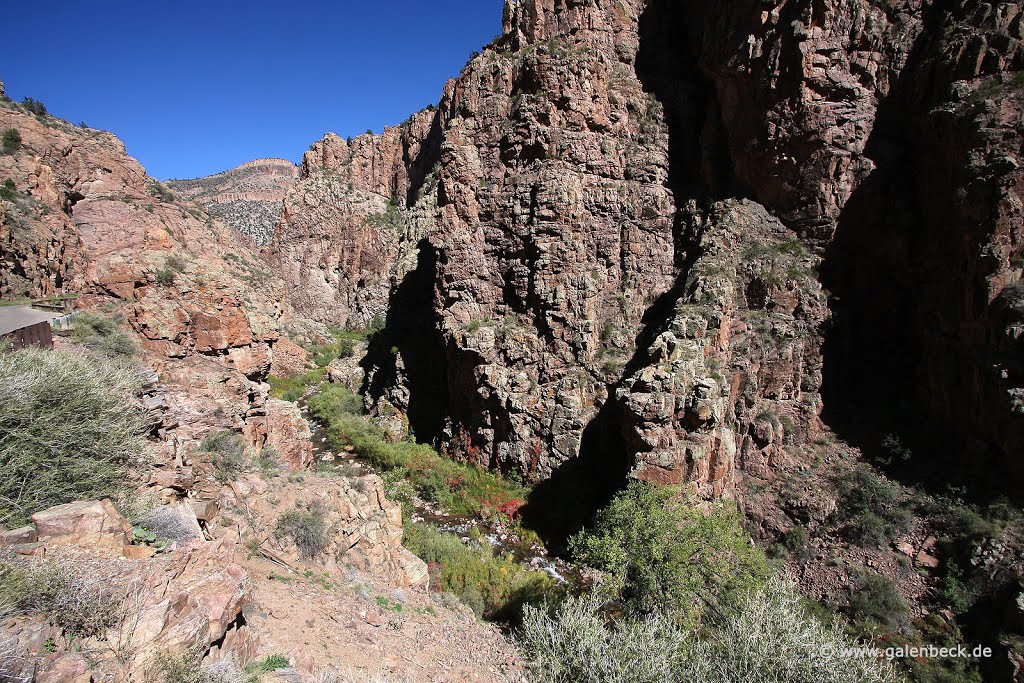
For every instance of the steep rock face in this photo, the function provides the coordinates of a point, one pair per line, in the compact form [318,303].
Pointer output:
[248,197]
[613,232]
[343,241]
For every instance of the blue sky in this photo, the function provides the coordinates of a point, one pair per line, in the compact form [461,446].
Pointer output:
[196,87]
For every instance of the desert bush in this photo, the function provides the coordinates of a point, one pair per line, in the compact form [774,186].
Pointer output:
[16,665]
[169,522]
[70,428]
[306,528]
[335,676]
[101,334]
[165,277]
[771,639]
[11,140]
[869,507]
[228,453]
[768,638]
[83,597]
[492,585]
[661,554]
[254,670]
[8,190]
[159,190]
[575,642]
[874,598]
[268,460]
[176,263]
[187,667]
[34,106]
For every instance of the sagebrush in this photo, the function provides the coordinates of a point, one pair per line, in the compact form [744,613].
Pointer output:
[70,428]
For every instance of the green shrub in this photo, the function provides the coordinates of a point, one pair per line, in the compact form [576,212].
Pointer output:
[334,399]
[159,190]
[493,586]
[101,334]
[11,140]
[266,665]
[228,449]
[306,528]
[342,345]
[8,190]
[70,428]
[875,599]
[869,507]
[661,554]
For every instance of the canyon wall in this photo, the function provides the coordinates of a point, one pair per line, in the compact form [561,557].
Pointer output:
[657,238]
[248,197]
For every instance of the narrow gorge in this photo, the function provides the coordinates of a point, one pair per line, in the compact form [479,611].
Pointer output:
[764,255]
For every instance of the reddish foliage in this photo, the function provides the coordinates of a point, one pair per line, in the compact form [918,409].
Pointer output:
[510,508]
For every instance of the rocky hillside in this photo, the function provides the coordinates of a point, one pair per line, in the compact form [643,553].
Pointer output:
[81,219]
[640,237]
[248,198]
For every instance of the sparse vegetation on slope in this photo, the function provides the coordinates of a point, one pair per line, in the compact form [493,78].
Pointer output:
[456,487]
[101,334]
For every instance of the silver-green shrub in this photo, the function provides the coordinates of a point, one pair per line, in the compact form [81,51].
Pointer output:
[70,427]
[770,638]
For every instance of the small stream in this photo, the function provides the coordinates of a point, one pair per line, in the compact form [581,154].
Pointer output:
[499,536]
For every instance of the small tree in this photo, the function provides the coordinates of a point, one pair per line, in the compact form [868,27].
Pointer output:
[34,106]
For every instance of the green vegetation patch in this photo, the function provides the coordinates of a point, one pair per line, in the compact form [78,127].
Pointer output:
[458,488]
[492,585]
[661,554]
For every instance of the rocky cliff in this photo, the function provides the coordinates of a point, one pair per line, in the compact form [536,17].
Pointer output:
[659,238]
[81,219]
[248,197]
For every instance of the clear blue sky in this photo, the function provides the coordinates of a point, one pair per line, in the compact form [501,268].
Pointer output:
[199,86]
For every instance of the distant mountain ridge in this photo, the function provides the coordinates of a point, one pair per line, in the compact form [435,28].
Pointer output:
[247,197]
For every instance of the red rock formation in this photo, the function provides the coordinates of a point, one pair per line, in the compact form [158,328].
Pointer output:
[83,219]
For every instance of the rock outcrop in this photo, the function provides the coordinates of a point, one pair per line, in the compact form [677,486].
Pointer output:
[81,219]
[248,197]
[607,244]
[144,607]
